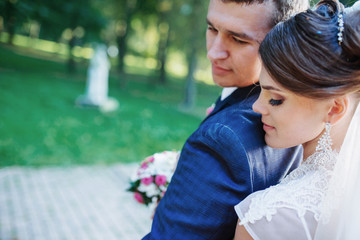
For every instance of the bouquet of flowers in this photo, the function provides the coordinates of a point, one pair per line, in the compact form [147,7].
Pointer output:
[151,179]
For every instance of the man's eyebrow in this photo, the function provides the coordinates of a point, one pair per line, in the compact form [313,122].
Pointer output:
[270,88]
[242,35]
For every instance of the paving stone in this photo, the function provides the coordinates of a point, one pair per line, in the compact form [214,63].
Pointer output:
[64,203]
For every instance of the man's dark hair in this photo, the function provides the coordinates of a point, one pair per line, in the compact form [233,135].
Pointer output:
[284,8]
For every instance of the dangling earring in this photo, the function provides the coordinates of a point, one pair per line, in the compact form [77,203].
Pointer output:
[325,142]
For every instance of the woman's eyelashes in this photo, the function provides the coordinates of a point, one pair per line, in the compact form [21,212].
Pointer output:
[276,102]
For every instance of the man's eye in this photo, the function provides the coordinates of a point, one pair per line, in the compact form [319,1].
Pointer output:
[211,28]
[239,41]
[275,102]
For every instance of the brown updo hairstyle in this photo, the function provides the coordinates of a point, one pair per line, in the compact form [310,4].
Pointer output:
[303,54]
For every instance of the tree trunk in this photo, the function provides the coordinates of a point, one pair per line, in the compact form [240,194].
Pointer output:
[10,20]
[162,55]
[190,88]
[122,39]
[71,62]
[196,44]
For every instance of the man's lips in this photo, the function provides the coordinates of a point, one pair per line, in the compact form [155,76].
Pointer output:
[219,70]
[267,127]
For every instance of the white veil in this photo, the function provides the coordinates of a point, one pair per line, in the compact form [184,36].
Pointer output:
[341,207]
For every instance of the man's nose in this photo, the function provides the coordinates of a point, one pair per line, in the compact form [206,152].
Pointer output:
[218,49]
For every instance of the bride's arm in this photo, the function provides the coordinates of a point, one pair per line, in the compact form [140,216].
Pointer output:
[241,233]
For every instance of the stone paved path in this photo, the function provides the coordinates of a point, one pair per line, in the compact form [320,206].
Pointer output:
[80,203]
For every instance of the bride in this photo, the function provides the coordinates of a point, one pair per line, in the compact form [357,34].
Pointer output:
[310,90]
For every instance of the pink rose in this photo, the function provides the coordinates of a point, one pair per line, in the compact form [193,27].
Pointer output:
[138,197]
[144,165]
[150,159]
[160,180]
[210,109]
[147,180]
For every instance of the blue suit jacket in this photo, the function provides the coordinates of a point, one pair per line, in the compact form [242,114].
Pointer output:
[221,163]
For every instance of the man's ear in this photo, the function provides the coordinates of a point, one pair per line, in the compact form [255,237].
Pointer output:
[338,109]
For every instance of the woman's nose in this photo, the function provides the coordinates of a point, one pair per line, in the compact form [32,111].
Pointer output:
[258,106]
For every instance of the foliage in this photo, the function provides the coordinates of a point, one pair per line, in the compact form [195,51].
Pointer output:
[55,16]
[154,29]
[40,125]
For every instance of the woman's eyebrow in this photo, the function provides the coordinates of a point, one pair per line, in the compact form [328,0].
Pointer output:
[270,88]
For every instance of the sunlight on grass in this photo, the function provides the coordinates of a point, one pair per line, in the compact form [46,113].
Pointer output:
[83,52]
[140,62]
[176,64]
[204,75]
[40,124]
[48,46]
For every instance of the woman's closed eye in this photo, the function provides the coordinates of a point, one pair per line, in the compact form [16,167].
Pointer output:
[276,102]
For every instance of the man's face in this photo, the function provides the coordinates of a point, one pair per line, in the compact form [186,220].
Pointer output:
[233,37]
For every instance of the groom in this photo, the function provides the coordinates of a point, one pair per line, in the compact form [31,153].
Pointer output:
[226,159]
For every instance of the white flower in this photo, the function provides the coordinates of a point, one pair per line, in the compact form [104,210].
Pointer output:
[150,190]
[164,163]
[162,188]
[149,171]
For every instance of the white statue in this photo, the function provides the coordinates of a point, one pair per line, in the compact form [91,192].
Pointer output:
[97,82]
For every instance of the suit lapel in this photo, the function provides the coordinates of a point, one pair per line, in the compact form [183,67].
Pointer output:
[238,95]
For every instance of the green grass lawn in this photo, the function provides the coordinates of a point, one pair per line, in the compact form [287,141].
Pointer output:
[40,124]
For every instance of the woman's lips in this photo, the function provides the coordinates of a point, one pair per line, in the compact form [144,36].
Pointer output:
[267,127]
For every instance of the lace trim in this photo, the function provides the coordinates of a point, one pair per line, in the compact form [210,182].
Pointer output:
[302,190]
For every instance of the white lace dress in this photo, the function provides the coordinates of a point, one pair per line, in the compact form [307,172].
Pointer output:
[291,209]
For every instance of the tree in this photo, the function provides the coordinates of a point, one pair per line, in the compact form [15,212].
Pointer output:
[14,13]
[82,17]
[126,10]
[164,27]
[197,37]
[190,37]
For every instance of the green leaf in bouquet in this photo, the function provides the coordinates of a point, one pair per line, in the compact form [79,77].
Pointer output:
[133,186]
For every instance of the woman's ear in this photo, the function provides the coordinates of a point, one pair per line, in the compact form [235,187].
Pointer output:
[338,109]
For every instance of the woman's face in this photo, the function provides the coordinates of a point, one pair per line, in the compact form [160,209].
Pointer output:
[289,119]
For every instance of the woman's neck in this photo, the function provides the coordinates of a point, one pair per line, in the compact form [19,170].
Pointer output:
[337,132]
[308,149]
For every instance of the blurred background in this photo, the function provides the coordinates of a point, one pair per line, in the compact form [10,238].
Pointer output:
[159,76]
[88,89]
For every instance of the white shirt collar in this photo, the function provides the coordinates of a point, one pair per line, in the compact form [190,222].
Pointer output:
[227,91]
